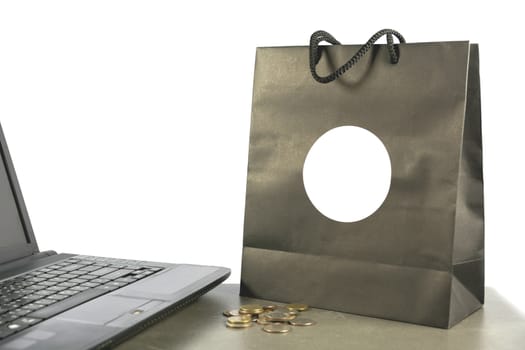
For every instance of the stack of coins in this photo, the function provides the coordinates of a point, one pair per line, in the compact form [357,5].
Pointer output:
[243,321]
[251,309]
[276,319]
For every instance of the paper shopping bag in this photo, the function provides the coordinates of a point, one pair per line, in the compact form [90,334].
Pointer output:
[419,256]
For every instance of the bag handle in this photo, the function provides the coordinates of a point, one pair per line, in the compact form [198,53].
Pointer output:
[320,36]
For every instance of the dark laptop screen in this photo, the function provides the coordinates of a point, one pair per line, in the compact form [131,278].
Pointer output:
[11,229]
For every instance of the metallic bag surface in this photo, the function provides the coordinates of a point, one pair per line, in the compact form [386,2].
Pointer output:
[420,257]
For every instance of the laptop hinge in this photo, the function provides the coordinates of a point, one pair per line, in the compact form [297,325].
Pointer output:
[39,255]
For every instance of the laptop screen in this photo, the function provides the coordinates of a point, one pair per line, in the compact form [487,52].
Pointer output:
[11,229]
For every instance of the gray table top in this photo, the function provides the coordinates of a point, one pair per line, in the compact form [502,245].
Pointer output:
[498,326]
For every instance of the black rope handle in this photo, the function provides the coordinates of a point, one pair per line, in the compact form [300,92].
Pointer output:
[320,36]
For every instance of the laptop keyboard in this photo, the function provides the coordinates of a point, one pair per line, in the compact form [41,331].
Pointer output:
[32,297]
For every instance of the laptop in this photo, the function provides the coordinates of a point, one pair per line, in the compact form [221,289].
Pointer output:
[67,301]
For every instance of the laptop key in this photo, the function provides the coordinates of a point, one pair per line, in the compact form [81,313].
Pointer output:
[48,283]
[13,305]
[28,320]
[68,292]
[90,284]
[100,280]
[29,298]
[78,280]
[58,279]
[71,267]
[33,306]
[89,277]
[118,274]
[89,268]
[44,292]
[103,271]
[9,317]
[54,266]
[20,312]
[17,325]
[101,264]
[35,287]
[45,302]
[36,279]
[66,284]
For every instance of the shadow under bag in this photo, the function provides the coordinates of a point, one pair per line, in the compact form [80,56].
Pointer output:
[420,257]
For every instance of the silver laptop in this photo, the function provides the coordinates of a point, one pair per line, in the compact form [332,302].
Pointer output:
[67,301]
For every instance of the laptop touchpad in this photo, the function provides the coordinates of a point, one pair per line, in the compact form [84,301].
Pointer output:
[102,310]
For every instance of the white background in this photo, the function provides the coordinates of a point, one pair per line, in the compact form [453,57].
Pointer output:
[128,121]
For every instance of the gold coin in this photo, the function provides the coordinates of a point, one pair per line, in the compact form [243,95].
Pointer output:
[262,319]
[251,312]
[277,316]
[277,328]
[238,325]
[285,309]
[297,307]
[300,321]
[253,309]
[243,319]
[229,313]
[250,307]
[270,307]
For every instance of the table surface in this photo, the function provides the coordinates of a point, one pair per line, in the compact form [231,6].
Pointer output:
[497,326]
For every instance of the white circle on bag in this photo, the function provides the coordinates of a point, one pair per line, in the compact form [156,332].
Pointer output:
[347,173]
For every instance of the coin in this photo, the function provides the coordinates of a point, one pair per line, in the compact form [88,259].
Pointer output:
[250,312]
[298,307]
[270,307]
[243,319]
[253,309]
[229,313]
[277,328]
[301,321]
[277,316]
[286,310]
[250,307]
[238,325]
[262,319]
